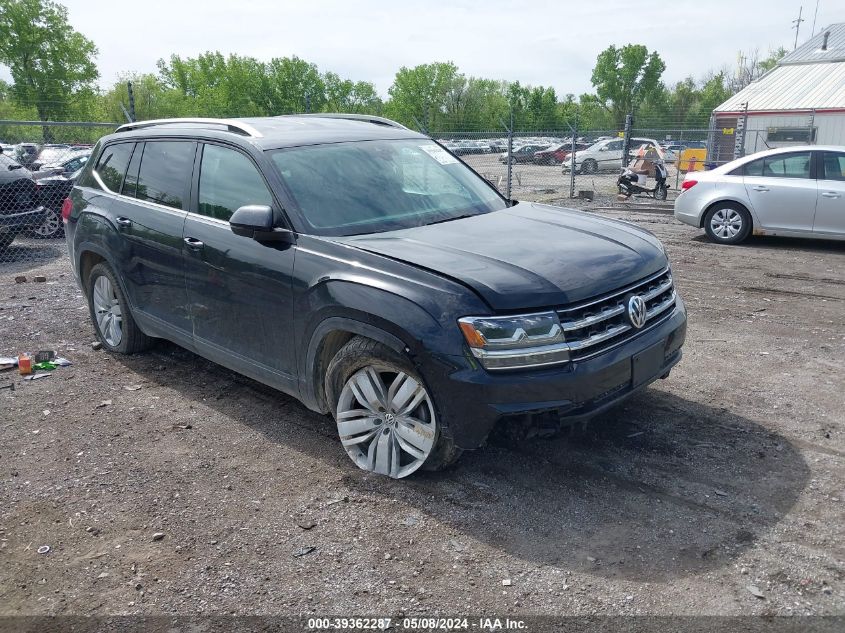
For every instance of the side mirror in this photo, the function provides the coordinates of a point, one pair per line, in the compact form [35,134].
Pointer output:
[255,221]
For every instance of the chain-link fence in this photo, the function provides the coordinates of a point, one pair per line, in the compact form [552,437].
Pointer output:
[37,169]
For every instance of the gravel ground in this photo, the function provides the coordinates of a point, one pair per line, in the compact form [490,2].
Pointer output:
[164,484]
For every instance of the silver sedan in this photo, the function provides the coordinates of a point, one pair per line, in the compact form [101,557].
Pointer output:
[789,191]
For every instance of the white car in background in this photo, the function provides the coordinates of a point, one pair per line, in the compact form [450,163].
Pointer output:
[606,155]
[789,191]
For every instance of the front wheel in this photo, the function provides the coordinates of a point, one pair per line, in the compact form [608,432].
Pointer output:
[385,415]
[589,167]
[660,193]
[727,223]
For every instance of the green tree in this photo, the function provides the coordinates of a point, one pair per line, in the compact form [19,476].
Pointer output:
[419,94]
[345,95]
[295,86]
[625,77]
[49,61]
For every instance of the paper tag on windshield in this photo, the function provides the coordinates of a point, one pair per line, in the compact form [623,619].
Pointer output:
[438,153]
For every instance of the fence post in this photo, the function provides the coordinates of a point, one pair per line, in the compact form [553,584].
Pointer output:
[131,93]
[572,159]
[626,143]
[510,155]
[678,160]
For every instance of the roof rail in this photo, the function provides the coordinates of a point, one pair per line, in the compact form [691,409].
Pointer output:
[232,125]
[368,118]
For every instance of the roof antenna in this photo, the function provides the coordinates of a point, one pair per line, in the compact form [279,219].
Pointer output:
[815,15]
[797,26]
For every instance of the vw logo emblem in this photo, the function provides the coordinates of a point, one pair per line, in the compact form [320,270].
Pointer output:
[637,311]
[389,418]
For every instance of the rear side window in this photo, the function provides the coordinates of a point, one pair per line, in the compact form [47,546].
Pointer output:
[834,166]
[112,165]
[229,180]
[780,166]
[165,172]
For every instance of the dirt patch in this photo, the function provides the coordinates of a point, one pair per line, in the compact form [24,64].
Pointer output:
[727,475]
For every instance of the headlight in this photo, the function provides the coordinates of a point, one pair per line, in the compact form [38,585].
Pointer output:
[516,342]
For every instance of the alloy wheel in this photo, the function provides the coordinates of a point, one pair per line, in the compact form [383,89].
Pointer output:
[386,421]
[50,227]
[107,311]
[726,223]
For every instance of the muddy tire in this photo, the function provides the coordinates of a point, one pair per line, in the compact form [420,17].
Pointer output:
[386,416]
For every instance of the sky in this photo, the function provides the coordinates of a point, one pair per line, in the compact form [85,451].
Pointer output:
[538,42]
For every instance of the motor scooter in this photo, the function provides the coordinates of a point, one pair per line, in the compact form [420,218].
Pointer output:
[628,182]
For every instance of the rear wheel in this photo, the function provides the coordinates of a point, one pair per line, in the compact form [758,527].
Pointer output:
[727,223]
[385,415]
[51,226]
[110,313]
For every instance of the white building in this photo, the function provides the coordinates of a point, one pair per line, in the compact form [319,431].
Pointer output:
[801,100]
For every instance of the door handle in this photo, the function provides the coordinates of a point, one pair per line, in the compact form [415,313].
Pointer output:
[193,243]
[831,194]
[123,222]
[760,188]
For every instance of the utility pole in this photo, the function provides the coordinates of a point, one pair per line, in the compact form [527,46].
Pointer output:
[132,118]
[797,26]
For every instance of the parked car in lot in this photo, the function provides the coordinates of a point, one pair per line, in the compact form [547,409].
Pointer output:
[605,155]
[789,191]
[20,208]
[70,162]
[356,265]
[52,192]
[557,153]
[523,154]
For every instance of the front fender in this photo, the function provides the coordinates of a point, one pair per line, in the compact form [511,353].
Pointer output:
[362,310]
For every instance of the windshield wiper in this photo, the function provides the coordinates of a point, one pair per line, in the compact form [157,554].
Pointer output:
[457,217]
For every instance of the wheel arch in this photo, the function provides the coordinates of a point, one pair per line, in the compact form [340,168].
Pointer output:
[732,201]
[328,337]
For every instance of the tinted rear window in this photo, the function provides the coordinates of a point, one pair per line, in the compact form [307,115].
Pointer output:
[112,165]
[165,171]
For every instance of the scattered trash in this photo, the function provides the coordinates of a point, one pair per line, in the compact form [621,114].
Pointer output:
[104,403]
[131,387]
[62,362]
[24,365]
[39,279]
[182,426]
[344,499]
[307,525]
[764,353]
[20,279]
[104,574]
[303,551]
[96,345]
[37,376]
[721,493]
[44,356]
[44,549]
[158,536]
[45,366]
[411,520]
[10,386]
[755,592]
[506,582]
[591,559]
[8,362]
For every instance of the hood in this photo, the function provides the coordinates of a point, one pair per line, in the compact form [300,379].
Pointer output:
[527,256]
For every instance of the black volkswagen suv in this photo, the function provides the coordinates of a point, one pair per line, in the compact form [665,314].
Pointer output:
[363,269]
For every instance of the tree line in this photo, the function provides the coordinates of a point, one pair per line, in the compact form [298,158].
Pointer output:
[54,79]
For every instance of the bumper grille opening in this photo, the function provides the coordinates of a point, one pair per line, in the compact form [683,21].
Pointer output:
[599,325]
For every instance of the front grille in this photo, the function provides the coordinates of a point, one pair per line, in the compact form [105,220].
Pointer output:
[601,324]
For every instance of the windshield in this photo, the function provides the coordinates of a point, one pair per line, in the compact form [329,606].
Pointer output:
[375,186]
